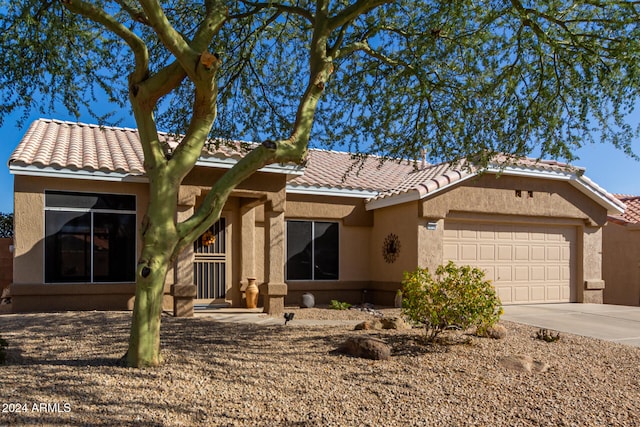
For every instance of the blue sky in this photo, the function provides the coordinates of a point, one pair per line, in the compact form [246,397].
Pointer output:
[606,166]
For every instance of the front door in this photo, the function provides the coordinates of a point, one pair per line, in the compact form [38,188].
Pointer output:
[210,265]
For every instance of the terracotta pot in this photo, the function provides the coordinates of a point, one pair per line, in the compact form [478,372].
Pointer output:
[251,293]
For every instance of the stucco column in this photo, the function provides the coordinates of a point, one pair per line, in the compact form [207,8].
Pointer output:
[273,290]
[183,289]
[592,265]
[248,250]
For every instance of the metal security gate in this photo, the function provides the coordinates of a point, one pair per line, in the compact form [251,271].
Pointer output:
[210,263]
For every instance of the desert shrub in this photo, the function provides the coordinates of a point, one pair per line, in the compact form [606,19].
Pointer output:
[338,305]
[457,297]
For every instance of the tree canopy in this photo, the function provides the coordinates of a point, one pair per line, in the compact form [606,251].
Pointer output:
[457,79]
[452,77]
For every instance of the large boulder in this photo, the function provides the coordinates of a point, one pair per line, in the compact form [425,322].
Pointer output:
[365,347]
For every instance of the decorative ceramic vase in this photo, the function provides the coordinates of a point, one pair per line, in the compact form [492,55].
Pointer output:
[307,300]
[251,293]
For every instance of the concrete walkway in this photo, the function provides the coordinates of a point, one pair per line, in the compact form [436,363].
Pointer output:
[616,323]
[255,315]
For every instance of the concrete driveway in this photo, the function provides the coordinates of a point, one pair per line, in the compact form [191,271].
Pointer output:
[616,323]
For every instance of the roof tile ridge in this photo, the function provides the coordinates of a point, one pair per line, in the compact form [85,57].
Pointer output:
[88,125]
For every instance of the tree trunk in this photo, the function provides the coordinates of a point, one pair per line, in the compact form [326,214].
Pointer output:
[158,243]
[144,340]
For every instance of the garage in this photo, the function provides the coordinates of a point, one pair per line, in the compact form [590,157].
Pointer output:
[526,263]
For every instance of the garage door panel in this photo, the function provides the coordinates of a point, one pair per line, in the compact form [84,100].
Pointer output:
[469,234]
[505,253]
[504,293]
[553,273]
[487,235]
[537,253]
[537,293]
[521,294]
[538,273]
[487,252]
[450,251]
[489,272]
[553,293]
[504,273]
[521,253]
[553,253]
[526,263]
[521,273]
[468,252]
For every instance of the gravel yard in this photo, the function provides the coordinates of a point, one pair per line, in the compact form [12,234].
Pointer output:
[61,369]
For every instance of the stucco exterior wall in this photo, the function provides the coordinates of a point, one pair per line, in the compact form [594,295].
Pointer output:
[401,220]
[354,242]
[491,194]
[621,264]
[29,293]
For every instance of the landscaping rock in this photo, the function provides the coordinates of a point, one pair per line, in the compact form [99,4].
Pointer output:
[383,323]
[366,348]
[524,363]
[497,332]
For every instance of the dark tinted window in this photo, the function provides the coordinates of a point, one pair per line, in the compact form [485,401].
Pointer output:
[89,246]
[312,250]
[65,199]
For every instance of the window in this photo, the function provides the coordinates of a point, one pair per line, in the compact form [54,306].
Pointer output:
[89,238]
[312,250]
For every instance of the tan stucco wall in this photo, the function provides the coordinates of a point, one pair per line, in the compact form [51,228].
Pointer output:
[401,220]
[351,211]
[354,236]
[362,233]
[29,217]
[493,194]
[621,264]
[28,289]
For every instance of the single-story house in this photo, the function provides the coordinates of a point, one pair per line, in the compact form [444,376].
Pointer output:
[327,228]
[621,257]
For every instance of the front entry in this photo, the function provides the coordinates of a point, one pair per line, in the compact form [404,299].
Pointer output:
[210,265]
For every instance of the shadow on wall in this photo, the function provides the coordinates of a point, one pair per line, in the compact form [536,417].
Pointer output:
[6,263]
[621,264]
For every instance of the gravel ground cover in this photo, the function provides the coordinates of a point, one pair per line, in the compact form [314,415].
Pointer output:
[61,369]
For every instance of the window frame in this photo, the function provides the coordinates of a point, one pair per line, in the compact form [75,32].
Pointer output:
[92,212]
[313,249]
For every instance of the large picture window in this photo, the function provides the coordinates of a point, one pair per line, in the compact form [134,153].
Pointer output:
[312,250]
[89,238]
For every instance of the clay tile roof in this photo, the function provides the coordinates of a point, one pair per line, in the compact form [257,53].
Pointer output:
[631,214]
[341,170]
[78,146]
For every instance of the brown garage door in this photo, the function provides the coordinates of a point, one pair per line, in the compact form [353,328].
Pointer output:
[526,263]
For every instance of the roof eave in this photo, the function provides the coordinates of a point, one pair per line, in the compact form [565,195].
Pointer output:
[51,172]
[228,162]
[575,178]
[314,190]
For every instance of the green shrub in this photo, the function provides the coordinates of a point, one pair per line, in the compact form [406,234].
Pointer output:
[337,305]
[458,297]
